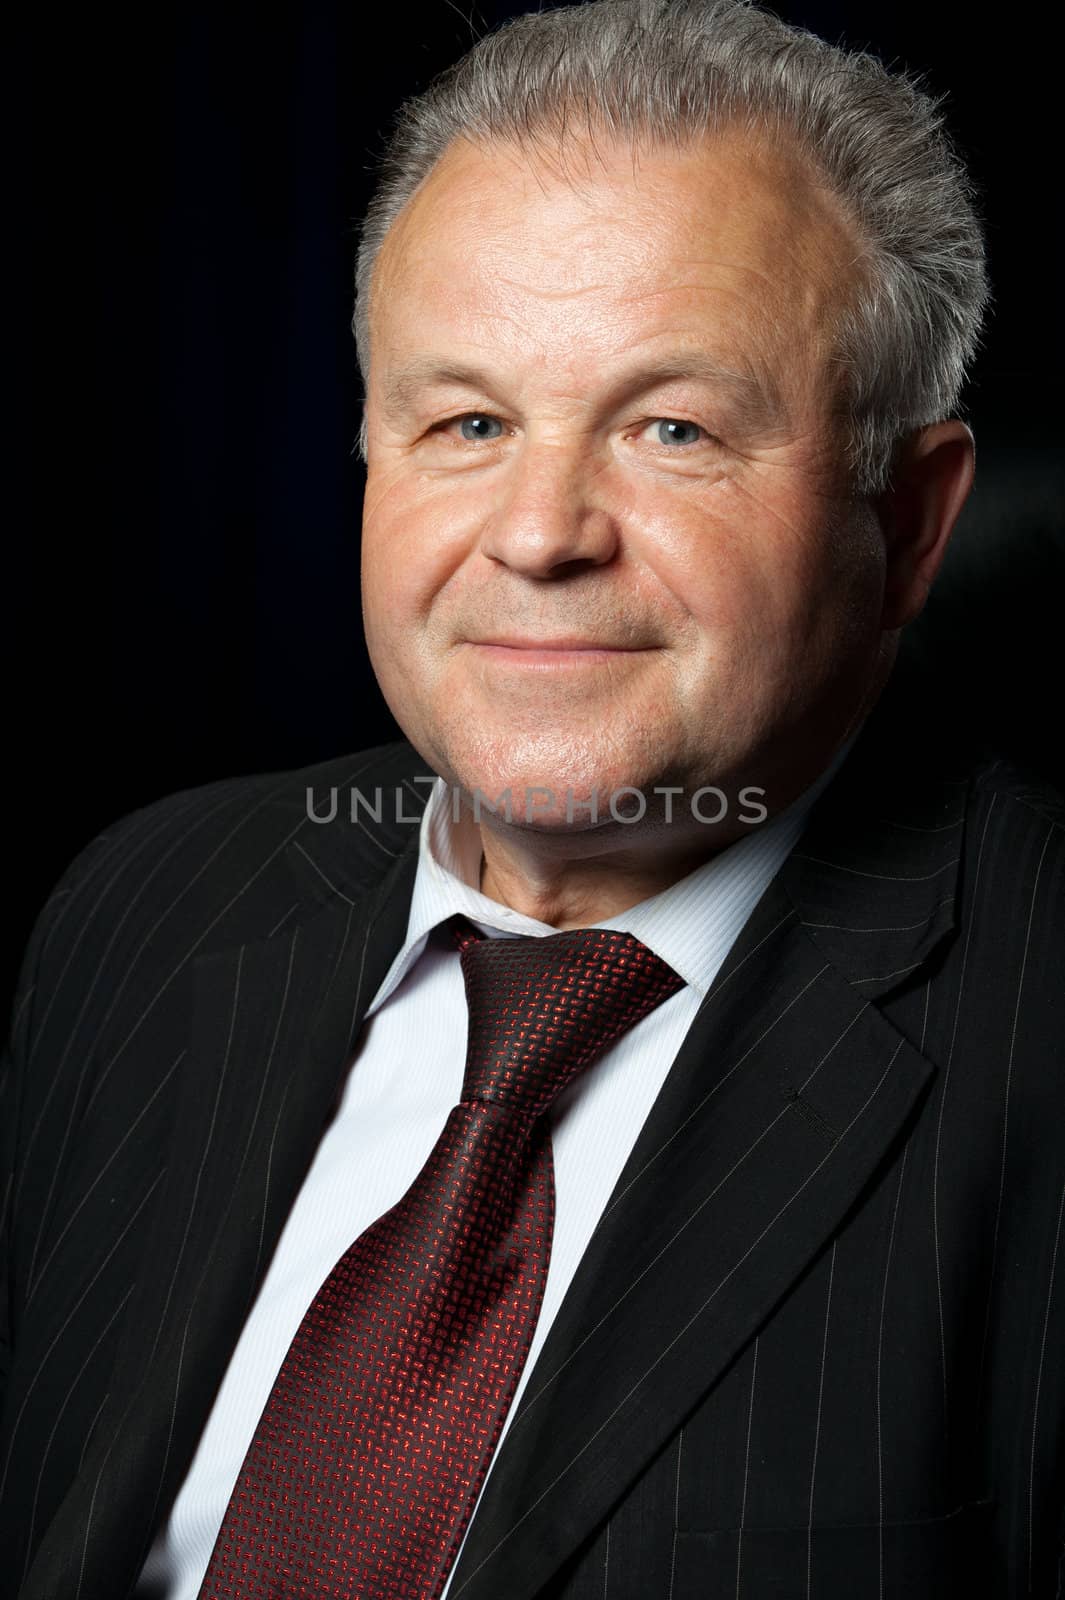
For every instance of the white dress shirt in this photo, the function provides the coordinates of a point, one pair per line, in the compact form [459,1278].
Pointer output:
[405,1076]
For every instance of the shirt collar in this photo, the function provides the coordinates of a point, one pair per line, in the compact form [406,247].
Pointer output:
[691,925]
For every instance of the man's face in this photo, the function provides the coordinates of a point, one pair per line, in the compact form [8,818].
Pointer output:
[578,575]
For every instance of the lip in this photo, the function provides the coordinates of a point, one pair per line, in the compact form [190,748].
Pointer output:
[558,653]
[564,642]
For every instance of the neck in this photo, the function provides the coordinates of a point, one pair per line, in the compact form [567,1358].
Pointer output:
[605,879]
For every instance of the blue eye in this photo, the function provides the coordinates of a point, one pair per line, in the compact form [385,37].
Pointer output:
[474,429]
[478,417]
[668,422]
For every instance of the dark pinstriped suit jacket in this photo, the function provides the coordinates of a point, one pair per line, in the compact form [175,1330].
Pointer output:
[815,1347]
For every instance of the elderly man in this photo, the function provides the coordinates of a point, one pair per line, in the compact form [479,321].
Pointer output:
[641,1177]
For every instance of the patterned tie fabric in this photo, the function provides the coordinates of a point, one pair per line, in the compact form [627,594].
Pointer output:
[376,1439]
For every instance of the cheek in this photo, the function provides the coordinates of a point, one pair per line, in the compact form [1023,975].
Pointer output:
[727,562]
[410,549]
[787,569]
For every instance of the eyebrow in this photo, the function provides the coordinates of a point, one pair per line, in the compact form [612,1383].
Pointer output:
[757,400]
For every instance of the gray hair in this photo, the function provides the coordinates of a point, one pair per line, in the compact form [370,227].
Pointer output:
[674,71]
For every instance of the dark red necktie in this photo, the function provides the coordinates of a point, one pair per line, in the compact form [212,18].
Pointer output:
[377,1436]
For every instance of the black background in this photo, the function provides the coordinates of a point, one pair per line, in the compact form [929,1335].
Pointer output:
[186,185]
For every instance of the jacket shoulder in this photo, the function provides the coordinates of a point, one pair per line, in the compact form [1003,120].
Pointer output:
[197,869]
[228,824]
[1011,919]
[1020,790]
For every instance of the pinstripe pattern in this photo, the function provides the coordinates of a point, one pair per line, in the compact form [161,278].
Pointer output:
[813,1348]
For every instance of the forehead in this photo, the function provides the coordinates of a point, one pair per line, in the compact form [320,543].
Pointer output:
[500,252]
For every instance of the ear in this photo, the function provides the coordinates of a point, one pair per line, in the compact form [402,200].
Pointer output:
[917,513]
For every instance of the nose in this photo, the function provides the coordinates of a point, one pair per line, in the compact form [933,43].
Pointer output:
[547,522]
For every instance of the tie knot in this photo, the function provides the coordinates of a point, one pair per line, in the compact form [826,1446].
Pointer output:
[540,1010]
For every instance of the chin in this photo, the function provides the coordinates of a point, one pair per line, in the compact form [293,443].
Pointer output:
[547,797]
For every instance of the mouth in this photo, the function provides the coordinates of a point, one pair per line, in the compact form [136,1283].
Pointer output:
[546,654]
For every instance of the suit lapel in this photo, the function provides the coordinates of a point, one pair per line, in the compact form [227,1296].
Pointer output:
[787,1093]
